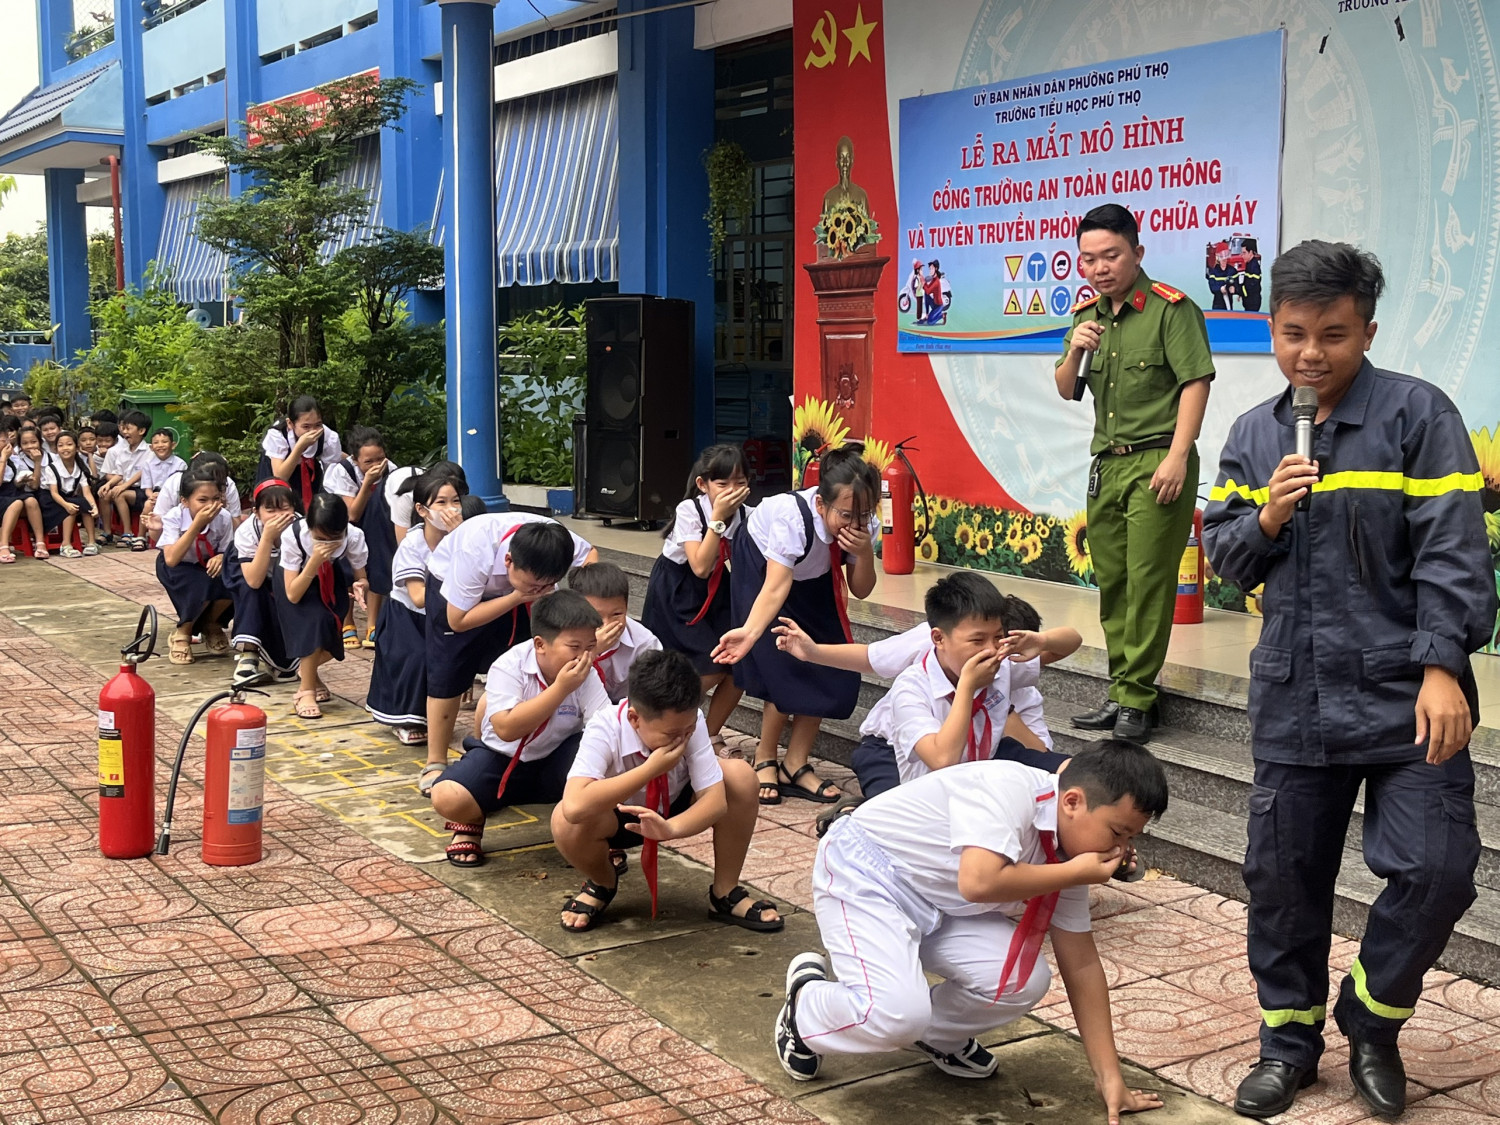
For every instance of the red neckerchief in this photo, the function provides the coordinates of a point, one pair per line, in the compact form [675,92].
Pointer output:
[203,548]
[520,746]
[659,801]
[599,665]
[972,747]
[840,591]
[305,471]
[713,580]
[1026,942]
[515,622]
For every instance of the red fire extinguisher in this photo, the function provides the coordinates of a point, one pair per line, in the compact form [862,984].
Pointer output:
[234,779]
[899,488]
[810,475]
[1189,609]
[127,751]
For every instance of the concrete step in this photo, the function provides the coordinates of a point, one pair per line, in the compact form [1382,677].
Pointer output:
[1206,846]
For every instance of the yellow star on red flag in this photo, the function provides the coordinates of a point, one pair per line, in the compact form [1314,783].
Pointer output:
[858,34]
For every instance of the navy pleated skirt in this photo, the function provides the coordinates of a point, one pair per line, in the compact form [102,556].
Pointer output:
[398,682]
[795,687]
[380,537]
[676,596]
[255,619]
[454,659]
[192,589]
[310,625]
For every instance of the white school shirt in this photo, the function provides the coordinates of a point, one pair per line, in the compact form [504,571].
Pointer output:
[346,483]
[124,462]
[171,493]
[614,666]
[247,539]
[56,473]
[918,704]
[610,747]
[96,461]
[409,561]
[1002,807]
[278,446]
[293,558]
[470,561]
[893,655]
[157,471]
[777,528]
[23,466]
[403,508]
[175,524]
[515,678]
[688,528]
[1027,702]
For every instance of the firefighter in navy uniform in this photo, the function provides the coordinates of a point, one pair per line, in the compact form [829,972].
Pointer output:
[1375,597]
[1249,284]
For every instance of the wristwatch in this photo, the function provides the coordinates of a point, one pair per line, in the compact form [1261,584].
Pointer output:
[718,527]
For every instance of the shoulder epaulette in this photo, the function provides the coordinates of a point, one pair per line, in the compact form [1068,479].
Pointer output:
[1081,305]
[1166,292]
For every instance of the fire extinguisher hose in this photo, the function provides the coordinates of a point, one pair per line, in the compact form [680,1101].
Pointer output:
[165,839]
[901,447]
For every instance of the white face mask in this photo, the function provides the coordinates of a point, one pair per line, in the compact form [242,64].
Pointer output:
[440,519]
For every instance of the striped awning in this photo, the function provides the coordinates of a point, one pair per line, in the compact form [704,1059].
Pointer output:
[557,158]
[362,172]
[197,271]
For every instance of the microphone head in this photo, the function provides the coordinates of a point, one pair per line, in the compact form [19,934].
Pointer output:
[1305,403]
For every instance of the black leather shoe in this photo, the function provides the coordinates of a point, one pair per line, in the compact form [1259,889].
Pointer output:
[1378,1075]
[1102,719]
[1134,725]
[1271,1087]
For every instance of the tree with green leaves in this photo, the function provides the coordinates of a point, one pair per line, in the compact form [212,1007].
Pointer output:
[276,230]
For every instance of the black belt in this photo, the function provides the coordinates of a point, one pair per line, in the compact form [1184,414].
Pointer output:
[1149,443]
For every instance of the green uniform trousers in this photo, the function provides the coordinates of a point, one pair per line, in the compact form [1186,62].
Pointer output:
[1136,545]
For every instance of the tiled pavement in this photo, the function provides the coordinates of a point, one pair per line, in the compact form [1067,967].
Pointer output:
[353,976]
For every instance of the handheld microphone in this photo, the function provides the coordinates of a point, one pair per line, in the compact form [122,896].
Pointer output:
[1082,381]
[1304,411]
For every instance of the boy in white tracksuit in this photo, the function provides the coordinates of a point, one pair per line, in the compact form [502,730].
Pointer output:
[962,873]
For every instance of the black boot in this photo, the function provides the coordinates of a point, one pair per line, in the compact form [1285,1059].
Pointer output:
[1271,1087]
[1102,719]
[1378,1075]
[1135,725]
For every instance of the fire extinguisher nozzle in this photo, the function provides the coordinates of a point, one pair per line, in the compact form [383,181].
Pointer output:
[163,842]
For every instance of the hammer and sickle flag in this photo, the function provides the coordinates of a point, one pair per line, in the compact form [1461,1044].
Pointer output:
[825,35]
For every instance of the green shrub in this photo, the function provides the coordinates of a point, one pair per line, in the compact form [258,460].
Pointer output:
[543,370]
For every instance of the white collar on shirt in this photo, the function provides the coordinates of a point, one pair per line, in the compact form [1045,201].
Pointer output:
[820,529]
[943,688]
[1044,816]
[530,668]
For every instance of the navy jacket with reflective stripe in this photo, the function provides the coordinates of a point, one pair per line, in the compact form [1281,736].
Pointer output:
[1389,570]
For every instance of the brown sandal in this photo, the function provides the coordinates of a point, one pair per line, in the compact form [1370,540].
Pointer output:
[308,709]
[179,650]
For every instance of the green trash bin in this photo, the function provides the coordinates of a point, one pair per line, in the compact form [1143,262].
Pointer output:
[160,407]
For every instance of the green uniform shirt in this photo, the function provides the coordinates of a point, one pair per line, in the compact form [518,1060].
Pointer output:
[1149,349]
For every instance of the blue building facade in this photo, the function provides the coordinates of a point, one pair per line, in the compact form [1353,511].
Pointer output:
[553,143]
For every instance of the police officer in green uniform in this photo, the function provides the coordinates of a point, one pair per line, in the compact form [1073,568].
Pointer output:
[1142,348]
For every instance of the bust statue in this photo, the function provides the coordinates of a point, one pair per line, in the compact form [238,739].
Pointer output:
[845,191]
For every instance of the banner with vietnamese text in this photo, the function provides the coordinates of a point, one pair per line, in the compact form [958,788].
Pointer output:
[994,179]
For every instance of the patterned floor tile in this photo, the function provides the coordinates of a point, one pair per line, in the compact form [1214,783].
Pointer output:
[373,971]
[81,1082]
[1467,997]
[1330,1101]
[1161,941]
[186,943]
[1117,974]
[382,875]
[283,879]
[180,1111]
[1162,890]
[1227,982]
[1444,1049]
[188,995]
[1158,1023]
[539,1078]
[262,1050]
[39,1019]
[439,911]
[92,906]
[375,1095]
[315,835]
[35,963]
[1441,1111]
[1221,911]
[16,921]
[547,984]
[450,1019]
[324,925]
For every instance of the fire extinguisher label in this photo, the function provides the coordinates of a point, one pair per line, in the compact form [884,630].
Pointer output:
[247,777]
[886,508]
[1187,571]
[111,764]
[106,721]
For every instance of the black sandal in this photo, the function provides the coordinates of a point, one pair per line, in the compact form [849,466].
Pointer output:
[1131,869]
[591,911]
[790,788]
[723,911]
[458,848]
[842,807]
[619,861]
[776,785]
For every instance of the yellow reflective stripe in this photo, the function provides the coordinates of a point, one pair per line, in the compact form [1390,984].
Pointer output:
[1361,989]
[1230,487]
[1283,1016]
[1370,481]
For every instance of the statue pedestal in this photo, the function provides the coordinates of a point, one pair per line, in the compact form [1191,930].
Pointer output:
[846,325]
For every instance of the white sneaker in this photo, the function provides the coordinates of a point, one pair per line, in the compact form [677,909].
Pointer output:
[799,1061]
[970,1061]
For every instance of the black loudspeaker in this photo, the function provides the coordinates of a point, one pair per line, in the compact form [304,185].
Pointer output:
[639,406]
